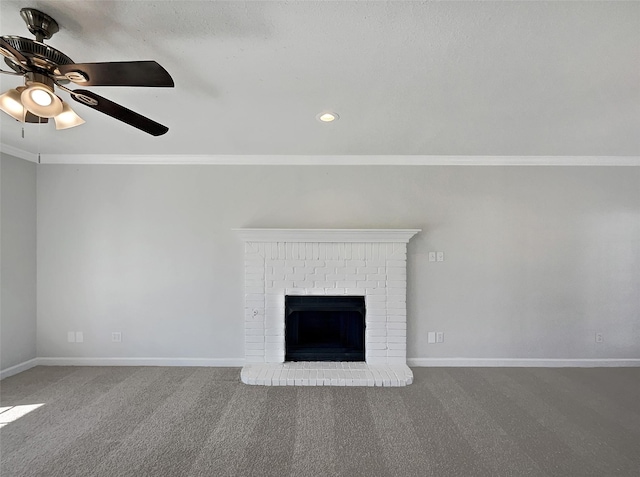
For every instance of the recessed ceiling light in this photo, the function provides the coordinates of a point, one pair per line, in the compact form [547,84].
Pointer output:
[327,117]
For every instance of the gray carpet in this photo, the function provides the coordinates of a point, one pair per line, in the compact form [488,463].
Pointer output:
[132,421]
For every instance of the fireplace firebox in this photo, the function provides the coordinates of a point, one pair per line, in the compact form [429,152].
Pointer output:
[324,328]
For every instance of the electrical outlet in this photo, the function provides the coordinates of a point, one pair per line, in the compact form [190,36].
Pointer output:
[116,337]
[79,337]
[71,336]
[599,338]
[440,337]
[432,256]
[431,337]
[440,256]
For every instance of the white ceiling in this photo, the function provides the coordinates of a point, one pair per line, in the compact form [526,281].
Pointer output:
[407,78]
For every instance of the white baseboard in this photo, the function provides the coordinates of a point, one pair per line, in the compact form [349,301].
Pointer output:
[205,362]
[239,362]
[522,362]
[18,368]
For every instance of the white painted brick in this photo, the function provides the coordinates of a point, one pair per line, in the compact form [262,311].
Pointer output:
[397,346]
[397,339]
[397,284]
[365,270]
[276,263]
[396,291]
[396,273]
[375,326]
[295,291]
[396,263]
[335,291]
[254,283]
[396,318]
[323,284]
[274,339]
[253,346]
[376,277]
[253,339]
[375,332]
[366,284]
[397,352]
[377,264]
[254,359]
[314,263]
[302,284]
[376,353]
[303,270]
[380,306]
[254,352]
[274,300]
[254,331]
[346,284]
[395,332]
[274,331]
[254,276]
[373,318]
[337,277]
[376,339]
[335,263]
[293,263]
[272,348]
[325,270]
[356,291]
[316,291]
[255,325]
[255,297]
[396,299]
[282,283]
[396,326]
[254,269]
[376,345]
[375,291]
[376,299]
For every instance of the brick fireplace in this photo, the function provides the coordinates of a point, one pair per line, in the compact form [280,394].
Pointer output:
[331,262]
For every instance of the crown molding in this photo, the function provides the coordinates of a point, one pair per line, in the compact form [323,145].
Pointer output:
[322,160]
[19,153]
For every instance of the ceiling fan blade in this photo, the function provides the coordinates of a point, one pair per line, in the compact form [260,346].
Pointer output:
[118,112]
[118,73]
[6,46]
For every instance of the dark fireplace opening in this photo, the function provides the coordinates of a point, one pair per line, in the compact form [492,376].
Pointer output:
[324,328]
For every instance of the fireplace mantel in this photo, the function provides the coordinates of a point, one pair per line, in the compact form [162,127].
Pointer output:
[327,235]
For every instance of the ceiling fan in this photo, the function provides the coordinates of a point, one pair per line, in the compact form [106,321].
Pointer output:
[44,67]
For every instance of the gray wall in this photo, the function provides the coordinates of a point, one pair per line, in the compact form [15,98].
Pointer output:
[537,259]
[18,261]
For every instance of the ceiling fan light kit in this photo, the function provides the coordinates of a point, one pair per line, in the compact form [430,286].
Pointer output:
[67,118]
[11,103]
[44,68]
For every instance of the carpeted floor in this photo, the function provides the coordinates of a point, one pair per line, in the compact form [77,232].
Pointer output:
[132,421]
